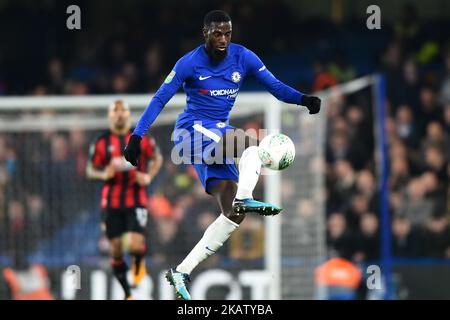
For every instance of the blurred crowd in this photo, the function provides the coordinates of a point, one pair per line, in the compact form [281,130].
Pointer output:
[124,53]
[43,189]
[417,126]
[40,175]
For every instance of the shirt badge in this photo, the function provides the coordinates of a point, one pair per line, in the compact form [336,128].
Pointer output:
[170,77]
[236,77]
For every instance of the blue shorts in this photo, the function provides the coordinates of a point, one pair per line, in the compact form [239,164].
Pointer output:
[197,143]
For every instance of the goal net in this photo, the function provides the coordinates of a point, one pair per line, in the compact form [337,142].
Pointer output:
[304,192]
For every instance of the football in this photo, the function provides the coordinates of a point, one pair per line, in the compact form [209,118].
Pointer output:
[276,151]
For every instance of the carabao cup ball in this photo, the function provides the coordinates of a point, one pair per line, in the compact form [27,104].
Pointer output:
[276,151]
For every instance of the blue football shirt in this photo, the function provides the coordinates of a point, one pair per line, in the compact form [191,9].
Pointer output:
[212,87]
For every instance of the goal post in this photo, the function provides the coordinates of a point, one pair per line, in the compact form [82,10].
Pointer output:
[298,235]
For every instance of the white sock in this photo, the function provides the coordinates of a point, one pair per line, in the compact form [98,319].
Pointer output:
[214,237]
[249,170]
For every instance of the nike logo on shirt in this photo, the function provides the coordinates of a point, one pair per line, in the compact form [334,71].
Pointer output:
[262,68]
[203,78]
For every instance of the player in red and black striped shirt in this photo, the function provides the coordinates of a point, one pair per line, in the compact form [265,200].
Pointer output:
[124,195]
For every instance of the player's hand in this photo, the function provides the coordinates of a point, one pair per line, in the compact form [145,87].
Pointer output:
[143,179]
[312,103]
[109,172]
[133,150]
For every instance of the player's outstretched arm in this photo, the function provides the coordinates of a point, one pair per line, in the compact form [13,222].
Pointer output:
[167,90]
[277,88]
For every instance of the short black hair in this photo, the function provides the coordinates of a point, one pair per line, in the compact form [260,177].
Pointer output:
[216,16]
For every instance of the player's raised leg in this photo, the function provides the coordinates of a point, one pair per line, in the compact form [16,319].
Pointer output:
[237,143]
[213,238]
[234,144]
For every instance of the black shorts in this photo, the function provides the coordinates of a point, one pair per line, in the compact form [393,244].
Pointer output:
[120,221]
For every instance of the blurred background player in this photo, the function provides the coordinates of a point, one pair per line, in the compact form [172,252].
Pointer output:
[212,75]
[124,194]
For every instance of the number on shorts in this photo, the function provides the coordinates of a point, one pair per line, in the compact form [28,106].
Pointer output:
[141,216]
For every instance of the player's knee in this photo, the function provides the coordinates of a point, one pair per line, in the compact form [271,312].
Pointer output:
[116,248]
[252,150]
[136,246]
